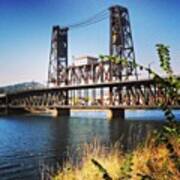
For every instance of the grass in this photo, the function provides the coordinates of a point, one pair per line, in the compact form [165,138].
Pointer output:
[150,161]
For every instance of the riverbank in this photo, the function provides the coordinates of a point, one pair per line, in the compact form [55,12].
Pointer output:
[149,160]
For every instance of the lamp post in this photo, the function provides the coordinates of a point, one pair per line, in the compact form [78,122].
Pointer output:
[149,66]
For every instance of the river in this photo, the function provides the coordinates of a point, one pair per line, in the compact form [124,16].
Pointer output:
[28,142]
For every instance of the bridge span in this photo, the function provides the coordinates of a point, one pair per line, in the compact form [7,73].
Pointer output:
[114,97]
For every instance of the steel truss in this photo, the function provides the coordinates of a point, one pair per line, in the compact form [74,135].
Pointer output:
[145,94]
[121,42]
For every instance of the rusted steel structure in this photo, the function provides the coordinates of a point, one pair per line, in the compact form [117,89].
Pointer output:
[121,45]
[134,94]
[141,94]
[58,56]
[100,85]
[121,42]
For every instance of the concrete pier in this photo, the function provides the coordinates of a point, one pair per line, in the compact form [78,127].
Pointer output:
[63,112]
[3,111]
[115,113]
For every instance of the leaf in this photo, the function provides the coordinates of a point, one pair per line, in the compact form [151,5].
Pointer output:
[106,176]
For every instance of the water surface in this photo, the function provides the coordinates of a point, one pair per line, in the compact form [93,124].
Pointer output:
[27,142]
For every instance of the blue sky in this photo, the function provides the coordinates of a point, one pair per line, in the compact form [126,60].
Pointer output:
[25,33]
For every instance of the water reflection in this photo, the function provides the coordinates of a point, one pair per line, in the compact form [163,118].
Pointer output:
[59,139]
[130,133]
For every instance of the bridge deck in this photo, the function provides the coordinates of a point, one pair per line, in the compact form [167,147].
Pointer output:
[88,86]
[141,94]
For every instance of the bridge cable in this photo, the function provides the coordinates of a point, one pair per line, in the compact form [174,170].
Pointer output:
[92,20]
[91,23]
[89,19]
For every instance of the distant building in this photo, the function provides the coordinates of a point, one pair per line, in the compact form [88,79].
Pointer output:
[83,60]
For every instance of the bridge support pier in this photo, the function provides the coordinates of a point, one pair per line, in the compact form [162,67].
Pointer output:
[14,111]
[63,112]
[115,113]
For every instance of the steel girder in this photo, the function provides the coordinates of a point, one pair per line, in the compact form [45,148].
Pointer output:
[127,95]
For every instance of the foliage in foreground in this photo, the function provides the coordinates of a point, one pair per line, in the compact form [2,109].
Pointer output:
[150,162]
[158,159]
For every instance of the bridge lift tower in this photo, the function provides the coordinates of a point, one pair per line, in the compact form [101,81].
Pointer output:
[58,56]
[121,44]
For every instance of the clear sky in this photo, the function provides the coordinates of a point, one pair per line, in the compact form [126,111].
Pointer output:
[25,33]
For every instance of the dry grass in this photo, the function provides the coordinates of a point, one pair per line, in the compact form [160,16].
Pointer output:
[155,162]
[149,160]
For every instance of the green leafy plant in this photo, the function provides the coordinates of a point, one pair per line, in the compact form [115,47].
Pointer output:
[126,168]
[172,127]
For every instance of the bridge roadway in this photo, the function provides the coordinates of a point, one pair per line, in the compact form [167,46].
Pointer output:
[86,86]
[130,94]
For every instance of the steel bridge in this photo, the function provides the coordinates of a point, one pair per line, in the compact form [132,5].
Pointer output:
[102,85]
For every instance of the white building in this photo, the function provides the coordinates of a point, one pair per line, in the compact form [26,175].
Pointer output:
[83,60]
